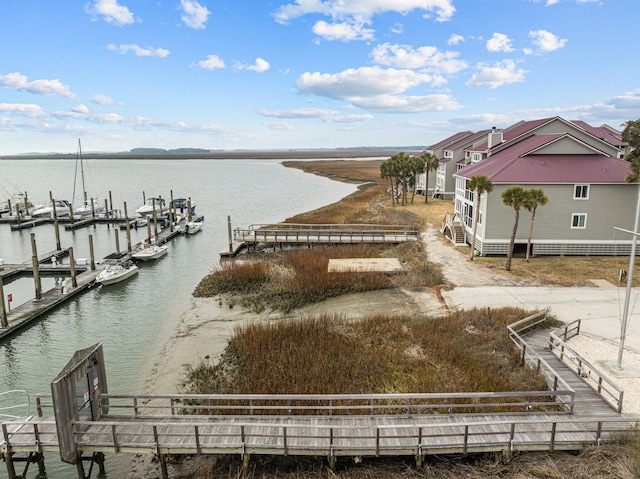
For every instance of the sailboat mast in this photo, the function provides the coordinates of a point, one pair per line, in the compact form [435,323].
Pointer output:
[84,190]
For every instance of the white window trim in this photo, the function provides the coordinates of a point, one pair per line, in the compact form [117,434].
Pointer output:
[581,197]
[574,215]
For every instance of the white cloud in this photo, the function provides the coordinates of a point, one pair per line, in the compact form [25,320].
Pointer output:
[299,113]
[496,75]
[80,109]
[546,41]
[260,66]
[102,99]
[365,81]
[455,39]
[397,28]
[194,14]
[278,125]
[363,10]
[344,31]
[499,42]
[138,50]
[23,109]
[17,81]
[211,63]
[112,12]
[328,116]
[407,104]
[427,57]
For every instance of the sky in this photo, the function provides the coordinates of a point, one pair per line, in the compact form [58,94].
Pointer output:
[271,74]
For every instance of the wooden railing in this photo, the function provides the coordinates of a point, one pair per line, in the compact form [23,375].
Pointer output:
[10,408]
[600,383]
[334,440]
[338,233]
[400,405]
[530,356]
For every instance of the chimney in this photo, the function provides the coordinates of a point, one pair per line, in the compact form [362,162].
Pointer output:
[494,138]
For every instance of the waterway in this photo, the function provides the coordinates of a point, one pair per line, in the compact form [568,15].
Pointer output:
[128,318]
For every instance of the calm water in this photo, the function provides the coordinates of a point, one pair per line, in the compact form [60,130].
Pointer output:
[128,318]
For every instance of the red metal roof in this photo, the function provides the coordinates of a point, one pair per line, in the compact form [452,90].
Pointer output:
[602,132]
[521,164]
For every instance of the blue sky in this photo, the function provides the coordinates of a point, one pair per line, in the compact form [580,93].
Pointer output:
[243,74]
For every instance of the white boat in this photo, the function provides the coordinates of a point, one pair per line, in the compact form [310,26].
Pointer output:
[191,227]
[147,209]
[115,273]
[86,209]
[62,209]
[151,252]
[181,206]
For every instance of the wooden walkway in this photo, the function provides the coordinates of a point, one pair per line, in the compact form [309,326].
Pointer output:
[569,416]
[307,234]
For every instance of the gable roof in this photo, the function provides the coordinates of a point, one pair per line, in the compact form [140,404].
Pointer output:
[603,132]
[527,162]
[514,131]
[467,140]
[452,139]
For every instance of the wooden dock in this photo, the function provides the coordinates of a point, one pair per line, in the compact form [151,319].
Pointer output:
[270,235]
[570,416]
[32,310]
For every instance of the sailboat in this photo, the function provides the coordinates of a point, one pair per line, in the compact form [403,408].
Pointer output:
[89,207]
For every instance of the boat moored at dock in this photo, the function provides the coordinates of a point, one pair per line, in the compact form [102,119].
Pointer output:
[116,273]
[151,253]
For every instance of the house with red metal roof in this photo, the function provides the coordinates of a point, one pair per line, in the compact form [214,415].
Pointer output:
[581,171]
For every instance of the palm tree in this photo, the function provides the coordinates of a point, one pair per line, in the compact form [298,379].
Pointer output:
[386,171]
[417,166]
[480,184]
[515,197]
[402,171]
[535,197]
[431,163]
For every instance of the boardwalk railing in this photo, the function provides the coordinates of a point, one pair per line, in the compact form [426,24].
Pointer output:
[359,438]
[399,405]
[530,356]
[14,404]
[600,383]
[325,233]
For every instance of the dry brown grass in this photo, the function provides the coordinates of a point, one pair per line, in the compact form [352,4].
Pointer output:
[464,351]
[286,280]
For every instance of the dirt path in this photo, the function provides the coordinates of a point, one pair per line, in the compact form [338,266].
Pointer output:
[457,268]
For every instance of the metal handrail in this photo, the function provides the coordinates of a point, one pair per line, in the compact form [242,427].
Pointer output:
[592,375]
[15,406]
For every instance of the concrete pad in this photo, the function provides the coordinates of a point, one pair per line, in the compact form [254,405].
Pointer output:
[383,265]
[625,371]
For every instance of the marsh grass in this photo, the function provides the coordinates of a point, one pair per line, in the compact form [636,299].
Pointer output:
[463,352]
[287,280]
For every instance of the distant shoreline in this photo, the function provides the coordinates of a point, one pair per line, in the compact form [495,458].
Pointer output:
[217,155]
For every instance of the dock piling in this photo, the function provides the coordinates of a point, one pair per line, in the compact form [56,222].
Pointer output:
[190,215]
[155,217]
[106,209]
[230,235]
[110,200]
[36,272]
[26,204]
[126,217]
[93,209]
[56,227]
[9,206]
[93,262]
[3,311]
[117,241]
[72,264]
[172,212]
[53,203]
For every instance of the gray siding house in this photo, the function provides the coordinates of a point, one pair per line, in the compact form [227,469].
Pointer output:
[581,173]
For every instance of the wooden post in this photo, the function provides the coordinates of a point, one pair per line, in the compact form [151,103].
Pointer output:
[148,231]
[155,217]
[144,199]
[106,208]
[36,272]
[11,470]
[53,205]
[72,265]
[117,240]
[9,206]
[18,220]
[93,209]
[93,262]
[110,201]
[172,211]
[189,208]
[126,218]
[56,227]
[70,213]
[26,204]
[4,323]
[230,234]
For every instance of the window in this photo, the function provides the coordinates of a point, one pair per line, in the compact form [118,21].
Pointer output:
[578,220]
[476,157]
[581,192]
[448,154]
